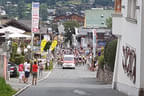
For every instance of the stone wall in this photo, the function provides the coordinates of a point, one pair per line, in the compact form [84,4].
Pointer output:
[104,75]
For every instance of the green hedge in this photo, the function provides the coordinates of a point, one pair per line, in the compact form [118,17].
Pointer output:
[110,53]
[5,89]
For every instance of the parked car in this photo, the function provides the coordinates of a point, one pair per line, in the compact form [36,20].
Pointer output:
[12,68]
[68,61]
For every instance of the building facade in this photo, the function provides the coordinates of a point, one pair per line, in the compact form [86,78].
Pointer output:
[128,22]
[85,36]
[72,17]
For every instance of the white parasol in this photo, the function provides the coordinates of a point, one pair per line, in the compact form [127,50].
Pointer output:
[17,35]
[11,29]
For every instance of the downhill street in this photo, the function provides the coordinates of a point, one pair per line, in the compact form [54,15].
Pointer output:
[71,82]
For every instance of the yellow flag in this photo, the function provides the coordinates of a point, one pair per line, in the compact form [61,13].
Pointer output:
[43,43]
[53,45]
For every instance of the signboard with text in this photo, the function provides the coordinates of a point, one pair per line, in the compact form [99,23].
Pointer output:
[35,17]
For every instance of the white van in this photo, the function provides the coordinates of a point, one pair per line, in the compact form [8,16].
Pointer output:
[68,61]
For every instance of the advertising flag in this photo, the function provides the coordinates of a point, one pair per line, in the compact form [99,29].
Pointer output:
[35,17]
[53,45]
[43,43]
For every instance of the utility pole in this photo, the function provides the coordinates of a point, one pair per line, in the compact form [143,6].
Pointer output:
[7,55]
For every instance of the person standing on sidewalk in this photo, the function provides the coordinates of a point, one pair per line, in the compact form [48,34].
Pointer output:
[21,72]
[27,70]
[34,73]
[40,68]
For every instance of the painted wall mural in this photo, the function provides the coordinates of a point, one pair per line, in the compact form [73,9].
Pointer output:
[129,62]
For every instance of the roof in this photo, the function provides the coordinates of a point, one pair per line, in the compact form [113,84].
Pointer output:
[25,25]
[75,15]
[69,17]
[97,17]
[19,25]
[43,30]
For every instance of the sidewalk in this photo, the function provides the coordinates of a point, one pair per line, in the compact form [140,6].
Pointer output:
[14,82]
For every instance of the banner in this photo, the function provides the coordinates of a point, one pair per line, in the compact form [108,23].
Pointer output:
[43,43]
[53,45]
[35,17]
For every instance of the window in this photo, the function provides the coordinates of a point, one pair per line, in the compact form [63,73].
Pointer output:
[131,9]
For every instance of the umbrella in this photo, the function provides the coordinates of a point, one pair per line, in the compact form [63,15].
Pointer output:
[11,29]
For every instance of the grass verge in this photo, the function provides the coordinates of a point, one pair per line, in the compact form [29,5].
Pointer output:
[5,89]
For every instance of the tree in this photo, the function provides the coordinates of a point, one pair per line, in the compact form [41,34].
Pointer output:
[69,30]
[12,11]
[51,2]
[14,56]
[43,11]
[14,51]
[21,9]
[109,22]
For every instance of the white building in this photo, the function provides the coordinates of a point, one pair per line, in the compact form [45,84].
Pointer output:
[128,25]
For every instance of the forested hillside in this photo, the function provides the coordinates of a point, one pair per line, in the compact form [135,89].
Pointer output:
[49,2]
[21,9]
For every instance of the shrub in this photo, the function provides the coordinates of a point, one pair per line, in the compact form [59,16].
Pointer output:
[109,54]
[50,67]
[101,61]
[19,59]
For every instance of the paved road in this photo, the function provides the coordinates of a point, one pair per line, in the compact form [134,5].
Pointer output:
[71,82]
